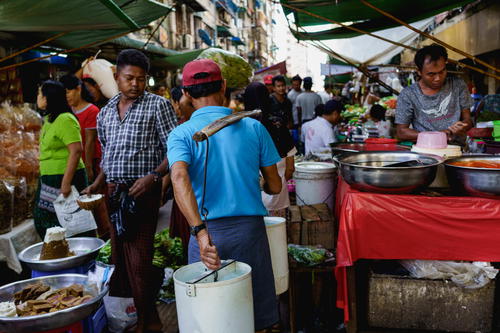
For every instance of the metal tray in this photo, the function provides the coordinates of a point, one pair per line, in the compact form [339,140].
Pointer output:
[85,248]
[52,320]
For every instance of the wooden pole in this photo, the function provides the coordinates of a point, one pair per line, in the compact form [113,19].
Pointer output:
[32,47]
[423,33]
[385,39]
[63,52]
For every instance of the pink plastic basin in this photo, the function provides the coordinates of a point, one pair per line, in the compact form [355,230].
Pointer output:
[433,140]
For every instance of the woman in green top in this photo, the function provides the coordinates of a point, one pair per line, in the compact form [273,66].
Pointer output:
[61,165]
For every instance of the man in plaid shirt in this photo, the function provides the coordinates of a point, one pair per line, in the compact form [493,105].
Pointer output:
[133,129]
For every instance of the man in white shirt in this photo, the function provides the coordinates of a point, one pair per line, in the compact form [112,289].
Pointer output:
[326,95]
[319,132]
[293,94]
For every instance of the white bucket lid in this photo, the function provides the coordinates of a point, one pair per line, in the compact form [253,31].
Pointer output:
[315,167]
[273,221]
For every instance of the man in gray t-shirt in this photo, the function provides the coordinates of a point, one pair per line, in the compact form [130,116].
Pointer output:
[293,94]
[436,102]
[306,102]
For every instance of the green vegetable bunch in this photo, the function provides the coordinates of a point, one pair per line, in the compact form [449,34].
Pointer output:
[104,254]
[236,70]
[353,111]
[168,252]
[307,255]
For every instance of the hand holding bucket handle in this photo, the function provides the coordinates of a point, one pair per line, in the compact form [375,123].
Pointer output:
[208,251]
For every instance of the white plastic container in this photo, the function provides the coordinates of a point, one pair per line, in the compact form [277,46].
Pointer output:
[276,235]
[432,140]
[101,71]
[450,151]
[225,306]
[315,183]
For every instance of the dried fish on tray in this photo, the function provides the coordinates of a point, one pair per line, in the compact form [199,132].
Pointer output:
[48,302]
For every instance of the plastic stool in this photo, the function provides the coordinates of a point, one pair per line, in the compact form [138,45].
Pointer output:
[73,328]
[83,269]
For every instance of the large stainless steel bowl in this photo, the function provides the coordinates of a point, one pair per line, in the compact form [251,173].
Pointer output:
[85,249]
[366,172]
[52,320]
[481,182]
[340,148]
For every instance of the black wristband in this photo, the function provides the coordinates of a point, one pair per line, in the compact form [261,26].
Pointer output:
[196,229]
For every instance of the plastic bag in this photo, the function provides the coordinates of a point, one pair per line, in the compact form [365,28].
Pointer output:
[32,120]
[5,120]
[100,276]
[71,217]
[464,274]
[17,117]
[20,200]
[236,70]
[102,72]
[6,206]
[167,290]
[121,313]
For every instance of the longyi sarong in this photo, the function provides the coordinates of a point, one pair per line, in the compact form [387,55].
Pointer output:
[134,275]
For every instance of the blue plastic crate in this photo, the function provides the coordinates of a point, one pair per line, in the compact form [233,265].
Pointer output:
[84,269]
[97,322]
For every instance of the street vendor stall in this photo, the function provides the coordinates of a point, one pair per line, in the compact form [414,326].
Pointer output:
[410,226]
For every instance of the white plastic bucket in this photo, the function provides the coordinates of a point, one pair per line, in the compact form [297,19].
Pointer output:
[225,306]
[276,235]
[315,183]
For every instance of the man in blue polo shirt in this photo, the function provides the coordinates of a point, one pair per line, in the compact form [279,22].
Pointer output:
[237,155]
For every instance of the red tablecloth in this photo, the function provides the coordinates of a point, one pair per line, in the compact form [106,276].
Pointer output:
[384,226]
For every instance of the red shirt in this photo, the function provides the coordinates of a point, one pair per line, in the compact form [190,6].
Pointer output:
[87,117]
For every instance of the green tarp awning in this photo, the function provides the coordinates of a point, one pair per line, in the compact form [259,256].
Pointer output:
[136,44]
[86,21]
[179,60]
[355,14]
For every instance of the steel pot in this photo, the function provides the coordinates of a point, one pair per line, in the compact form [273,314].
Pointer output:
[481,182]
[366,172]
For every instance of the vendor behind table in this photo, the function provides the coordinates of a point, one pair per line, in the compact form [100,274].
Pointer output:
[436,102]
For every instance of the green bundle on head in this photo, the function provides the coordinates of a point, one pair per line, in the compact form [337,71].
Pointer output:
[235,70]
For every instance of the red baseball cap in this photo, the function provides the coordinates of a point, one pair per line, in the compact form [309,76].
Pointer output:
[268,79]
[200,71]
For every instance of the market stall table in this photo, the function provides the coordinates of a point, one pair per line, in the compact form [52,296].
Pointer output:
[384,226]
[13,242]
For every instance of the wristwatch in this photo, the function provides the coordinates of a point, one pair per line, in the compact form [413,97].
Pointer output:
[196,229]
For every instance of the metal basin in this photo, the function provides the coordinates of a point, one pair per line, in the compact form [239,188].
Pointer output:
[480,182]
[85,249]
[340,148]
[365,172]
[52,320]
